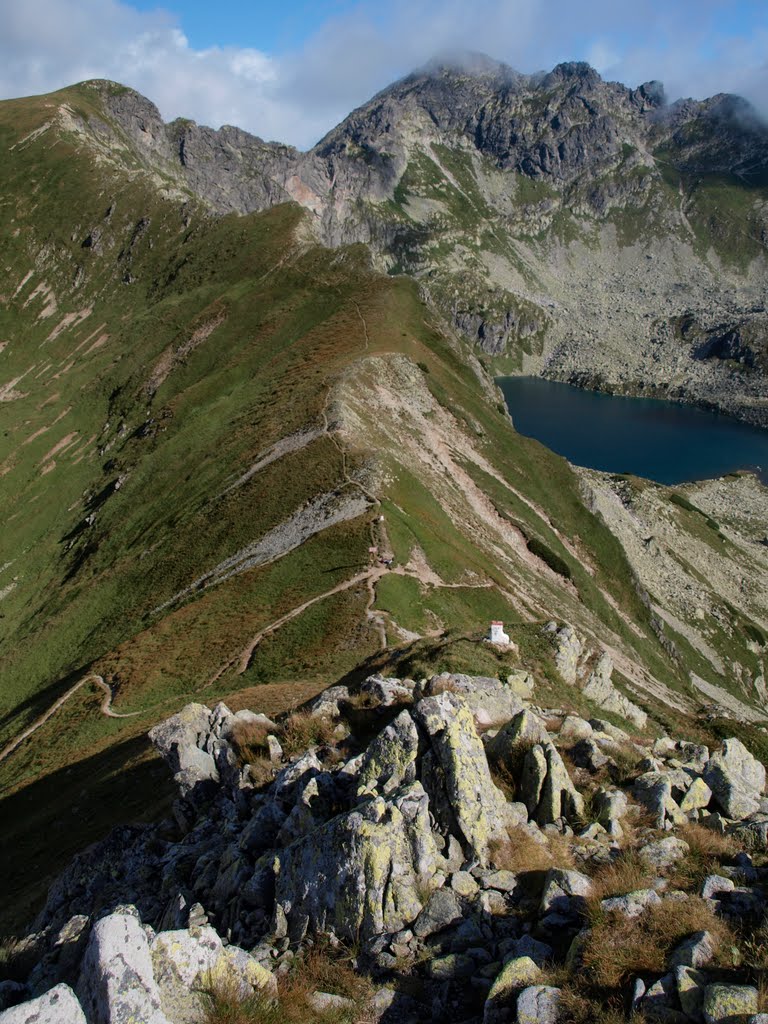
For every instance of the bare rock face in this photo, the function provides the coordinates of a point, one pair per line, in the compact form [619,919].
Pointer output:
[736,778]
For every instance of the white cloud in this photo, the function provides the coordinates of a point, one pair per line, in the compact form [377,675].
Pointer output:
[297,97]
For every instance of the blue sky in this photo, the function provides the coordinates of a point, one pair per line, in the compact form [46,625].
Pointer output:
[291,71]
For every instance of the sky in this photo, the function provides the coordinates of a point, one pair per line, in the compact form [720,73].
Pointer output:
[292,71]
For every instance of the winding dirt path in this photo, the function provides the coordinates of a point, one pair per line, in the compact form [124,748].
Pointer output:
[105,707]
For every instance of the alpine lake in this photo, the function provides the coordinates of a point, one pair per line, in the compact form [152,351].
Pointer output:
[664,441]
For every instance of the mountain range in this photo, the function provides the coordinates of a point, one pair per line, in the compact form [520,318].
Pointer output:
[237,380]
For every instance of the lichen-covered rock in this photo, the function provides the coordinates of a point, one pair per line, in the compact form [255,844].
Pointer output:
[690,985]
[491,702]
[388,690]
[236,970]
[653,789]
[181,959]
[728,1004]
[736,778]
[461,778]
[180,741]
[57,1006]
[632,904]
[696,951]
[574,729]
[564,891]
[442,909]
[546,787]
[519,972]
[522,683]
[523,729]
[117,984]
[390,759]
[362,873]
[698,796]
[610,806]
[663,853]
[326,704]
[538,1004]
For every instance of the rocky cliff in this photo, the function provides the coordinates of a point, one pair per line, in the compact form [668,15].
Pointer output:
[509,197]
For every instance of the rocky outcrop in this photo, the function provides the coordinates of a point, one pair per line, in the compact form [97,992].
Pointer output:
[398,850]
[592,672]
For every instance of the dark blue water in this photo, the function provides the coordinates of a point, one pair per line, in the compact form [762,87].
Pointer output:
[663,441]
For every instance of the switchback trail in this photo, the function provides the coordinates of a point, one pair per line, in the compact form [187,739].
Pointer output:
[105,707]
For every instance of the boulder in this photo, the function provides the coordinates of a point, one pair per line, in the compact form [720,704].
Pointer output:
[326,704]
[559,797]
[610,806]
[519,972]
[564,891]
[696,951]
[574,729]
[600,689]
[587,754]
[462,795]
[362,873]
[653,789]
[736,778]
[690,984]
[663,853]
[117,983]
[538,1004]
[442,909]
[698,796]
[524,729]
[728,1004]
[492,702]
[180,740]
[632,904]
[715,884]
[388,690]
[568,650]
[522,683]
[57,1006]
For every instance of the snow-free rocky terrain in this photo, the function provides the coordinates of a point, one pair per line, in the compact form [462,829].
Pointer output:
[470,863]
[251,447]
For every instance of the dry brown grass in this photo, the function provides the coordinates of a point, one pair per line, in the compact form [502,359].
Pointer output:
[618,948]
[626,874]
[708,850]
[302,730]
[579,1006]
[520,853]
[320,969]
[250,741]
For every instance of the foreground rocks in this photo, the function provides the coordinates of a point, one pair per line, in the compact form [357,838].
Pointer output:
[404,849]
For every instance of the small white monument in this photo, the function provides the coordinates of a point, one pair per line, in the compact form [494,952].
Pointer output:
[498,636]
